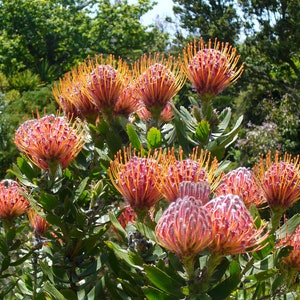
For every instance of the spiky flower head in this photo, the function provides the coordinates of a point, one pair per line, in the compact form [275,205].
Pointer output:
[233,229]
[198,166]
[200,190]
[211,67]
[242,182]
[280,180]
[72,96]
[13,202]
[184,228]
[158,80]
[128,215]
[50,141]
[135,178]
[39,224]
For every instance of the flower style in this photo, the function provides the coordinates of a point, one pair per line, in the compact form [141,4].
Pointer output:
[233,229]
[135,178]
[50,141]
[184,228]
[211,69]
[158,80]
[71,94]
[280,180]
[13,202]
[39,224]
[242,182]
[197,167]
[293,240]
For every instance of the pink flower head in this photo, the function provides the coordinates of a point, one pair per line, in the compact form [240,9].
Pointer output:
[50,140]
[242,182]
[135,178]
[280,180]
[13,202]
[184,228]
[128,215]
[200,190]
[233,229]
[211,68]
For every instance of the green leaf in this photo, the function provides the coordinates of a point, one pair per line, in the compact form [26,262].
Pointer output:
[163,281]
[117,225]
[48,201]
[133,136]
[81,188]
[154,139]
[202,132]
[153,293]
[288,227]
[53,292]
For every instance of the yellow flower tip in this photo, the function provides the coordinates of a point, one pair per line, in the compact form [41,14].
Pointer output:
[280,180]
[184,228]
[157,80]
[211,68]
[13,202]
[233,229]
[242,182]
[51,140]
[135,178]
[39,224]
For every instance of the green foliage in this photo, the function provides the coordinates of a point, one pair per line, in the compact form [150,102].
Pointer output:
[25,81]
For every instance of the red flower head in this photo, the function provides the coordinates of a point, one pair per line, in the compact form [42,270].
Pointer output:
[39,224]
[242,182]
[128,215]
[158,80]
[107,79]
[211,69]
[135,178]
[71,94]
[184,228]
[50,141]
[280,180]
[12,199]
[197,167]
[233,229]
[293,240]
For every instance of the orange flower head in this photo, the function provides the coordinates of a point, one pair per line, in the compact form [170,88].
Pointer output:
[184,228]
[176,169]
[39,224]
[127,102]
[293,240]
[280,180]
[211,69]
[233,229]
[200,190]
[135,178]
[71,94]
[50,141]
[158,80]
[107,79]
[13,202]
[242,182]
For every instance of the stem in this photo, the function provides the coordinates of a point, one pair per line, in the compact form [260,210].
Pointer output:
[275,219]
[189,266]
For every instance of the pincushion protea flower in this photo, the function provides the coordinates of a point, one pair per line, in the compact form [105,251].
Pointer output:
[184,228]
[200,190]
[158,80]
[39,224]
[197,167]
[233,229]
[280,179]
[135,178]
[13,202]
[128,215]
[242,182]
[211,68]
[293,240]
[50,141]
